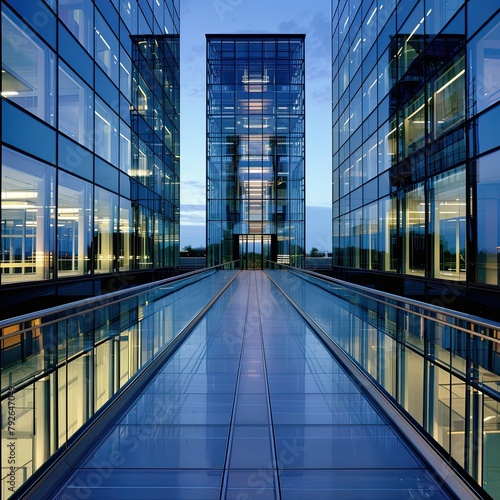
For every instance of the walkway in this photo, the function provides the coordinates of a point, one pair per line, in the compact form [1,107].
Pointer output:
[252,405]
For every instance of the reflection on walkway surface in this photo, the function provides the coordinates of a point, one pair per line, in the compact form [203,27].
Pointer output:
[252,405]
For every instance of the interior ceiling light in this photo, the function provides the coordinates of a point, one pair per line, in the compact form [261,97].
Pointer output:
[13,85]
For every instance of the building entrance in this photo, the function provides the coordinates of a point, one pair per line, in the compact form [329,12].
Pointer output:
[254,249]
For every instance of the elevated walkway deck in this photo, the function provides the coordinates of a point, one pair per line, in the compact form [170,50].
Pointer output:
[252,405]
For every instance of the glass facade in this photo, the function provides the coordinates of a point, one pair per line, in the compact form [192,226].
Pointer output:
[255,149]
[415,102]
[59,368]
[438,366]
[90,141]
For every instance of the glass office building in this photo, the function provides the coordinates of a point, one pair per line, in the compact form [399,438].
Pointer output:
[90,147]
[416,183]
[255,149]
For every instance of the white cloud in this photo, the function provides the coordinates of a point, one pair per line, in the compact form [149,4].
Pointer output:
[193,215]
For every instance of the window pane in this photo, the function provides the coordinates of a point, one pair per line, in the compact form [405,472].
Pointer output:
[126,75]
[125,251]
[370,94]
[27,221]
[484,53]
[145,238]
[438,13]
[77,15]
[387,241]
[128,12]
[125,147]
[488,219]
[106,49]
[448,228]
[74,225]
[412,384]
[478,11]
[76,108]
[409,47]
[370,160]
[414,231]
[414,125]
[449,98]
[28,69]
[105,228]
[106,132]
[370,236]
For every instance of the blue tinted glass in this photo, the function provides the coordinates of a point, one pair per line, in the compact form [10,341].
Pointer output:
[131,484]
[106,48]
[40,18]
[28,68]
[355,484]
[488,224]
[437,14]
[76,159]
[76,57]
[478,12]
[75,107]
[260,483]
[27,218]
[40,142]
[384,184]
[124,185]
[106,132]
[109,13]
[370,191]
[106,89]
[79,18]
[152,446]
[106,175]
[356,198]
[486,136]
[74,225]
[485,62]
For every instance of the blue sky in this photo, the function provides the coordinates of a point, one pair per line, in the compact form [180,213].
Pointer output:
[199,17]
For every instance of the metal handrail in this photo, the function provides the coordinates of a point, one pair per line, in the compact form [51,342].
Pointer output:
[102,300]
[436,320]
[369,292]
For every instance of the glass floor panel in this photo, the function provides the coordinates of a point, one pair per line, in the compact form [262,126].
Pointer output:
[252,405]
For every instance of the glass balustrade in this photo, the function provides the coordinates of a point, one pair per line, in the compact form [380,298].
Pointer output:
[441,367]
[60,366]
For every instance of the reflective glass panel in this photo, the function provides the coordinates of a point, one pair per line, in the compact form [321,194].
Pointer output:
[126,254]
[78,16]
[28,68]
[76,107]
[438,13]
[106,132]
[449,98]
[27,218]
[105,229]
[448,212]
[106,48]
[74,225]
[488,219]
[414,231]
[484,54]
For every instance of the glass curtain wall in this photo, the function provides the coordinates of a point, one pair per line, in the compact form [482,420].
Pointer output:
[255,151]
[90,138]
[28,218]
[416,103]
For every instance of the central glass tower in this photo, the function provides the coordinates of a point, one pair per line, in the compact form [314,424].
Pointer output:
[255,149]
